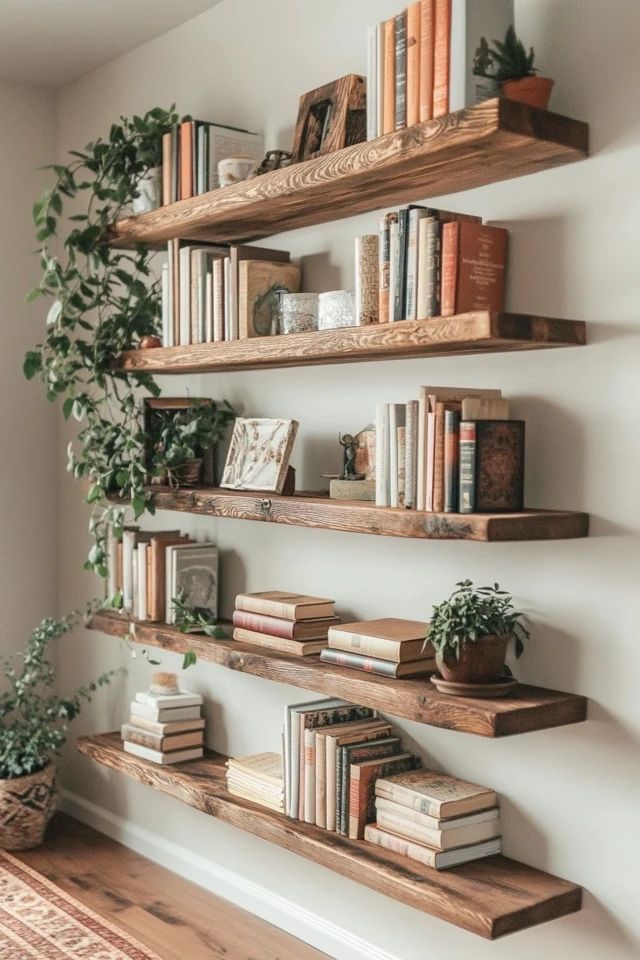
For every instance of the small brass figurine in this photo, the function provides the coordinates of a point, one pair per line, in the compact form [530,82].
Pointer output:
[348,442]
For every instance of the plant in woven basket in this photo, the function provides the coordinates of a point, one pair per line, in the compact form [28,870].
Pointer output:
[179,439]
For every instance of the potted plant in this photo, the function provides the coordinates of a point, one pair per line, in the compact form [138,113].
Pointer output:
[470,633]
[180,438]
[34,722]
[510,65]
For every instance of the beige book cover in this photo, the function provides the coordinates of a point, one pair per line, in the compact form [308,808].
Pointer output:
[261,284]
[389,638]
[288,606]
[295,648]
[436,794]
[476,408]
[267,765]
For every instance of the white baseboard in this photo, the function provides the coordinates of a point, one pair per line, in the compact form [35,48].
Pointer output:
[320,933]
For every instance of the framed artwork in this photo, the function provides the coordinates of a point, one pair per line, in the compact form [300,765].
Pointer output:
[259,454]
[331,117]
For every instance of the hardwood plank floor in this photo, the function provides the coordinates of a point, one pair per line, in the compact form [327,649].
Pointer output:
[172,916]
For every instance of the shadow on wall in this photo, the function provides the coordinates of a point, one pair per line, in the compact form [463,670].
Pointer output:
[319,274]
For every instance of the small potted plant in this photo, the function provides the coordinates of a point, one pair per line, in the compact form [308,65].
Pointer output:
[470,633]
[509,64]
[34,722]
[180,438]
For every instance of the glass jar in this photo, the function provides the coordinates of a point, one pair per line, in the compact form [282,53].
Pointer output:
[298,312]
[337,309]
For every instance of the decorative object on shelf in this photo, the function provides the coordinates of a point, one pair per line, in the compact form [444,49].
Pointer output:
[357,481]
[181,434]
[349,445]
[235,170]
[192,152]
[34,722]
[258,778]
[367,276]
[274,160]
[331,117]
[299,312]
[150,343]
[149,192]
[259,453]
[165,728]
[262,283]
[479,691]
[336,308]
[470,633]
[508,63]
[163,684]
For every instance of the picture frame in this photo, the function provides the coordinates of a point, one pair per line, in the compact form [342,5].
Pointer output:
[331,117]
[258,457]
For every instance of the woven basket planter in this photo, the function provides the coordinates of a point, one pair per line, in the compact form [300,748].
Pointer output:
[26,806]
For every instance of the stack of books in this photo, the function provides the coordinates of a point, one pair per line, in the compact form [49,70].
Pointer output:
[333,753]
[257,778]
[436,819]
[287,622]
[191,152]
[421,63]
[165,727]
[389,647]
[455,450]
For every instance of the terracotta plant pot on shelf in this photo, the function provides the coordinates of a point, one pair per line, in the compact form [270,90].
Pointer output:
[26,806]
[534,91]
[479,662]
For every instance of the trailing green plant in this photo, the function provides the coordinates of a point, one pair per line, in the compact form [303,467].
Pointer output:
[195,620]
[34,720]
[506,60]
[472,613]
[177,436]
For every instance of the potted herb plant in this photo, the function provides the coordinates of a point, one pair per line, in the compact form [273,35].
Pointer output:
[180,438]
[509,64]
[470,633]
[34,722]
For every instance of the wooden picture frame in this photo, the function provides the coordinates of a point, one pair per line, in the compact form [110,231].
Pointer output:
[331,117]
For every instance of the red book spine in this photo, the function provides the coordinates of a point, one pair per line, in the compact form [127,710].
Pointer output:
[449,260]
[263,624]
[442,58]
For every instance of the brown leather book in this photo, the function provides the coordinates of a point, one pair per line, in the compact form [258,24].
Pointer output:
[438,462]
[156,594]
[499,466]
[427,8]
[166,168]
[389,90]
[414,17]
[362,784]
[474,266]
[441,57]
[187,129]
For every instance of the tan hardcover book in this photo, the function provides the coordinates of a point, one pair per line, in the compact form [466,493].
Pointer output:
[377,666]
[389,638]
[236,791]
[165,744]
[436,794]
[436,823]
[338,735]
[439,839]
[157,557]
[169,727]
[389,89]
[414,26]
[474,408]
[384,265]
[367,294]
[187,130]
[167,171]
[267,766]
[362,782]
[287,606]
[427,40]
[402,473]
[430,857]
[295,648]
[474,267]
[441,57]
[237,253]
[287,629]
[256,787]
[218,300]
[260,284]
[438,458]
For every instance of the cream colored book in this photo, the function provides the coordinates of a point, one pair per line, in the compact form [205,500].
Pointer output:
[267,766]
[439,839]
[474,408]
[436,823]
[167,728]
[156,756]
[436,794]
[440,859]
[254,798]
[389,638]
[366,270]
[288,606]
[295,648]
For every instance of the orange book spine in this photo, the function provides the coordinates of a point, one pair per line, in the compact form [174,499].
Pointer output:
[441,57]
[186,159]
[389,91]
[414,17]
[438,460]
[449,280]
[166,169]
[426,59]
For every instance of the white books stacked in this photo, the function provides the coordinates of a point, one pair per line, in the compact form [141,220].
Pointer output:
[165,728]
[258,778]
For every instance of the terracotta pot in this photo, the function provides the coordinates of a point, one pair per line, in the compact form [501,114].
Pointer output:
[534,91]
[26,806]
[481,661]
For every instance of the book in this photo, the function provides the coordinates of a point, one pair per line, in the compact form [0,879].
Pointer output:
[411,455]
[167,728]
[389,75]
[381,668]
[379,90]
[428,268]
[439,839]
[416,215]
[165,307]
[357,753]
[161,701]
[494,465]
[436,794]
[261,283]
[382,455]
[187,134]
[401,71]
[479,408]
[467,468]
[295,648]
[238,253]
[388,638]
[441,57]
[451,460]
[158,566]
[427,10]
[399,268]
[362,782]
[356,731]
[156,756]
[154,741]
[372,83]
[285,606]
[366,263]
[384,265]
[166,171]
[264,766]
[287,629]
[428,856]
[414,24]
[164,714]
[396,420]
[252,797]
[218,300]
[192,573]
[401,441]
[474,263]
[436,823]
[140,607]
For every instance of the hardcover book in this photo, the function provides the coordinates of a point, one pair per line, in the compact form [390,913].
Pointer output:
[287,606]
[154,741]
[366,269]
[362,782]
[382,668]
[294,648]
[492,466]
[388,638]
[156,756]
[316,629]
[435,794]
[355,732]
[261,284]
[436,823]
[429,856]
[474,264]
[461,836]
[357,753]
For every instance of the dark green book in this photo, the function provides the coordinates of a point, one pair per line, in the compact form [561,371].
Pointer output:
[354,753]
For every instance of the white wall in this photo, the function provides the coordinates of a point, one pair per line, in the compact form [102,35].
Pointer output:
[28,448]
[568,794]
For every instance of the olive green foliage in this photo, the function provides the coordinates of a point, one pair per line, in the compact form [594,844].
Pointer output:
[177,436]
[195,620]
[471,613]
[506,60]
[34,720]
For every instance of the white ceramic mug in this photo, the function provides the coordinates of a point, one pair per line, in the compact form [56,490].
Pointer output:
[235,169]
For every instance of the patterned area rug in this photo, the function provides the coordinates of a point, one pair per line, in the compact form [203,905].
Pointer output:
[39,921]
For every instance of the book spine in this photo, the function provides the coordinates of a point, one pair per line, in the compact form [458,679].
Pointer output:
[451,460]
[450,268]
[264,624]
[467,483]
[402,474]
[438,460]
[407,797]
[421,472]
[266,607]
[367,279]
[382,455]
[309,776]
[414,17]
[406,848]
[141,737]
[381,668]
[321,782]
[331,773]
[166,168]
[186,159]
[380,79]
[218,300]
[411,284]
[400,290]
[393,455]
[208,302]
[441,57]
[372,82]
[295,648]
[426,59]
[411,454]
[431,453]
[401,71]
[433,267]
[407,829]
[394,246]
[389,92]
[383,267]
[165,307]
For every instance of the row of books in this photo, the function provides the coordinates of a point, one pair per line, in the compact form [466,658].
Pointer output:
[290,623]
[191,152]
[149,569]
[421,63]
[212,293]
[257,778]
[454,450]
[165,725]
[388,647]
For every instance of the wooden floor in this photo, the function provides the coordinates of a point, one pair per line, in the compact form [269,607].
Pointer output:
[177,919]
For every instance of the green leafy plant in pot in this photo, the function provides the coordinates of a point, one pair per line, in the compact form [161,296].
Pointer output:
[510,64]
[34,722]
[470,633]
[179,440]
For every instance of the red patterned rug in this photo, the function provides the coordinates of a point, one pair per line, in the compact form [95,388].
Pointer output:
[39,921]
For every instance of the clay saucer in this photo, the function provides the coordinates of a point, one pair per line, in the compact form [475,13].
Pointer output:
[480,691]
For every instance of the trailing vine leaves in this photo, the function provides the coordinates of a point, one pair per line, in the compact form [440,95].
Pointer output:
[195,620]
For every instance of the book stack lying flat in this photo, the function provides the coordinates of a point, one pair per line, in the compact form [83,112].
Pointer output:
[257,778]
[165,727]
[436,819]
[389,647]
[287,622]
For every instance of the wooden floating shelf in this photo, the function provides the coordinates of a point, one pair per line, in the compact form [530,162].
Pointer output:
[493,141]
[353,516]
[480,332]
[529,708]
[490,897]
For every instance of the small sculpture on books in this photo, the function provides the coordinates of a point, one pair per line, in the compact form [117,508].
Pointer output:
[349,444]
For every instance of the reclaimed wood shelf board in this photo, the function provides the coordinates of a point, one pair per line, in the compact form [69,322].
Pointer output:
[493,141]
[353,516]
[490,897]
[528,709]
[468,333]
